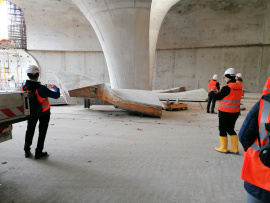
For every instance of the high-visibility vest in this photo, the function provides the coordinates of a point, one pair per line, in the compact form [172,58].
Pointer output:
[266,88]
[44,101]
[253,170]
[231,103]
[212,85]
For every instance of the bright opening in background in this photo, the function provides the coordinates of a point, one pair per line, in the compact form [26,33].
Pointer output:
[3,20]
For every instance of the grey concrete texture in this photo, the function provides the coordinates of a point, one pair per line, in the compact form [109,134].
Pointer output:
[210,23]
[193,68]
[103,154]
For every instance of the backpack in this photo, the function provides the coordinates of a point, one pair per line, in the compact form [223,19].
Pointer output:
[265,150]
[35,106]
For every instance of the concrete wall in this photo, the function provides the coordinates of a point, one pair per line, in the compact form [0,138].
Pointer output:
[13,64]
[190,24]
[198,40]
[89,63]
[193,68]
[57,26]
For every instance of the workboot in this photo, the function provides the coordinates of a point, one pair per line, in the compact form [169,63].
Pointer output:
[27,154]
[224,144]
[234,143]
[39,155]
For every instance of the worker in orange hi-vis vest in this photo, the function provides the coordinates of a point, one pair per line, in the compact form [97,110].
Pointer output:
[213,85]
[39,110]
[229,107]
[255,174]
[239,79]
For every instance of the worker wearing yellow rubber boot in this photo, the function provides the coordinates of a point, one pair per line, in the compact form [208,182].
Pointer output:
[234,144]
[228,111]
[223,144]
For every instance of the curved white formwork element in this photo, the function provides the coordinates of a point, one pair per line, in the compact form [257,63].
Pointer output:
[122,28]
[197,95]
[140,101]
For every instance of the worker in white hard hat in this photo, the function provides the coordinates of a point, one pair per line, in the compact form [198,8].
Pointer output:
[39,110]
[213,85]
[239,79]
[229,107]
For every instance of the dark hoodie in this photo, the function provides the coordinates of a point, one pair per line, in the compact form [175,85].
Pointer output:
[247,136]
[43,91]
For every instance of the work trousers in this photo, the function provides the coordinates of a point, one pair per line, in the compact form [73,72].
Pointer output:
[226,123]
[31,125]
[213,101]
[251,199]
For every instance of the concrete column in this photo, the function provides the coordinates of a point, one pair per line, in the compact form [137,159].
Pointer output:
[159,9]
[123,31]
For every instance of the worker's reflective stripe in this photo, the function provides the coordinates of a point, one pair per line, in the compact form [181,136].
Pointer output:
[253,170]
[264,119]
[230,101]
[255,147]
[266,89]
[229,106]
[45,104]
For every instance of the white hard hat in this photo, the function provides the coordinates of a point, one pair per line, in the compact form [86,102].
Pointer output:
[238,75]
[215,77]
[230,71]
[32,69]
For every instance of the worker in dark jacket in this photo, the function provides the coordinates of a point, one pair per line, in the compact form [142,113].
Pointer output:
[213,85]
[229,107]
[254,173]
[39,110]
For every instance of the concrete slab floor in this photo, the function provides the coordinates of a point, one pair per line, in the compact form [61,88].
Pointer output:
[103,154]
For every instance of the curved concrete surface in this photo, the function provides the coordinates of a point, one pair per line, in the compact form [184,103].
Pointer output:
[159,9]
[139,101]
[122,28]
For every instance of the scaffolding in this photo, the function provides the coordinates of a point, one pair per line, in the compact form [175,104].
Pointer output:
[16,26]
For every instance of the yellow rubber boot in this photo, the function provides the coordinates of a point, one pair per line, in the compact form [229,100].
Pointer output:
[224,144]
[234,143]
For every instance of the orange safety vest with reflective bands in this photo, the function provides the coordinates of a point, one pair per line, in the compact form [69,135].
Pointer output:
[212,85]
[266,88]
[231,103]
[44,101]
[253,170]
